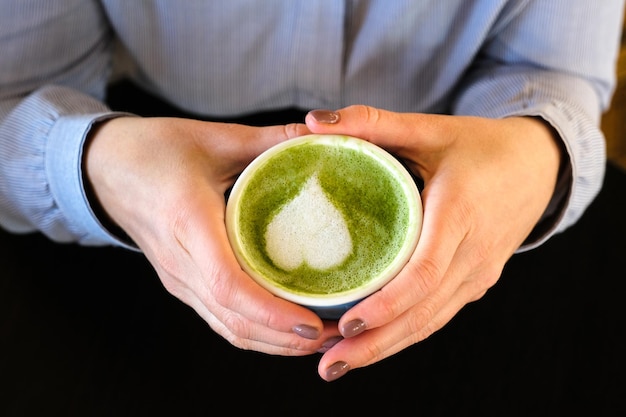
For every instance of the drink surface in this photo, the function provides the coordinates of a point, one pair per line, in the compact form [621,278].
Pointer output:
[320,218]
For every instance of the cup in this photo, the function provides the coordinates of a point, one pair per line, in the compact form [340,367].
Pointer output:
[324,220]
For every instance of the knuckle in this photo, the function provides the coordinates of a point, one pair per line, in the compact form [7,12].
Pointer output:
[300,345]
[488,277]
[237,327]
[367,114]
[264,316]
[374,351]
[423,323]
[425,277]
[388,306]
[427,274]
[477,296]
[421,319]
[221,289]
[238,342]
[291,130]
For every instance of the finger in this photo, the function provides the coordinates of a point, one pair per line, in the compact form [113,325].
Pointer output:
[255,140]
[272,135]
[378,344]
[397,132]
[223,281]
[235,292]
[247,335]
[446,223]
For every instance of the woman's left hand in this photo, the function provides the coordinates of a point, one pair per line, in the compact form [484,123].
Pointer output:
[487,184]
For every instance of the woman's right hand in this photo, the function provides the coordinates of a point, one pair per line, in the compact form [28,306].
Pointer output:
[162,180]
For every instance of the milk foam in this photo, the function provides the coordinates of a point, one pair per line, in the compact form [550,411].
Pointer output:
[320,218]
[308,230]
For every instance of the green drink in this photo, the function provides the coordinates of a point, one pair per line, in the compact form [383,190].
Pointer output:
[324,220]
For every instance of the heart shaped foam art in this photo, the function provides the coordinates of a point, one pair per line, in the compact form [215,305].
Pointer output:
[310,230]
[292,230]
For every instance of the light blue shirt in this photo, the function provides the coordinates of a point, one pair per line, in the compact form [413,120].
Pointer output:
[494,58]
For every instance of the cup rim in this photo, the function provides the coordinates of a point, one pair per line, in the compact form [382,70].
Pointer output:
[392,164]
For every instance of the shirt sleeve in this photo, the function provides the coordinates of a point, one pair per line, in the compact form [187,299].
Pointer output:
[50,95]
[555,60]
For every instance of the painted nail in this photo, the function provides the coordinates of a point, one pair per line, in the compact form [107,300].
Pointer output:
[325,116]
[330,343]
[306,331]
[352,328]
[337,370]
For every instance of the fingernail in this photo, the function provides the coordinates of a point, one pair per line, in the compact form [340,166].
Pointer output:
[330,343]
[352,328]
[325,116]
[336,371]
[306,331]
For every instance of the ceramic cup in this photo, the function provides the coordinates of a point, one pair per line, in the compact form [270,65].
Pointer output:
[324,220]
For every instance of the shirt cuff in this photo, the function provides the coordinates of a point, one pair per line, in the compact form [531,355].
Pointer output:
[64,169]
[572,186]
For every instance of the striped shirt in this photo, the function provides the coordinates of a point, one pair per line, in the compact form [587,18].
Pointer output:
[493,58]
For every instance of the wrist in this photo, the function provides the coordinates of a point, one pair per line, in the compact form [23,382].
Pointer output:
[93,174]
[556,206]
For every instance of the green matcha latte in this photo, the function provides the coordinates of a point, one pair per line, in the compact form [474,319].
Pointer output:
[321,218]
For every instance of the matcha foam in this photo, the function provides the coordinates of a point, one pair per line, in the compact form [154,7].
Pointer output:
[322,218]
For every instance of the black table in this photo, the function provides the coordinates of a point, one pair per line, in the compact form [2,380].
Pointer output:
[91,331]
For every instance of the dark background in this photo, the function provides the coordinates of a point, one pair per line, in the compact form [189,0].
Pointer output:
[91,332]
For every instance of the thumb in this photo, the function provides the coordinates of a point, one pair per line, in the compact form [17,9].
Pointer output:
[266,137]
[251,141]
[396,132]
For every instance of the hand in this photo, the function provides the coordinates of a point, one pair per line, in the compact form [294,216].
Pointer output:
[163,180]
[487,183]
